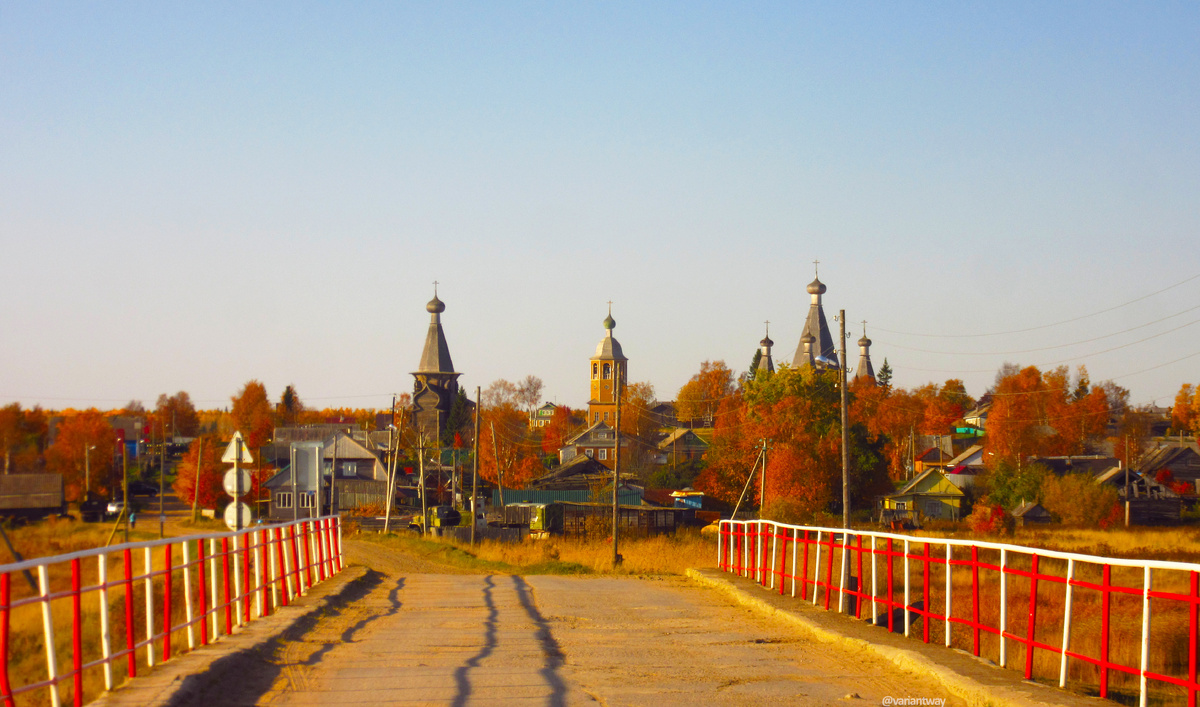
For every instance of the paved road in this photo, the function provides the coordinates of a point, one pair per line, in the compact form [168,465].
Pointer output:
[416,637]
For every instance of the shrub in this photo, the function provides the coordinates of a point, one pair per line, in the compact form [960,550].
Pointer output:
[989,518]
[1076,499]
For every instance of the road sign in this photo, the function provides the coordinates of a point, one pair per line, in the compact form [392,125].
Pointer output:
[231,456]
[231,482]
[235,509]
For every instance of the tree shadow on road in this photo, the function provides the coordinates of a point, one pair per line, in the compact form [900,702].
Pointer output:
[245,676]
[462,680]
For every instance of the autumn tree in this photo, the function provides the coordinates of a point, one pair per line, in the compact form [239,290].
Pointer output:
[252,414]
[1077,500]
[798,410]
[176,415]
[204,453]
[12,432]
[529,393]
[1037,413]
[507,447]
[290,407]
[83,452]
[700,397]
[563,424]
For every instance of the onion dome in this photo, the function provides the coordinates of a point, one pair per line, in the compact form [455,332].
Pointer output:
[864,341]
[609,322]
[807,338]
[767,342]
[435,306]
[816,287]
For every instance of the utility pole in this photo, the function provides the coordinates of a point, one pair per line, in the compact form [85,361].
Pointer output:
[162,472]
[87,470]
[391,483]
[616,531]
[196,487]
[1128,466]
[125,485]
[845,427]
[762,479]
[424,500]
[475,472]
[499,471]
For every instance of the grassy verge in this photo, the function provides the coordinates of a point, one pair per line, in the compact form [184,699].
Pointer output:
[642,556]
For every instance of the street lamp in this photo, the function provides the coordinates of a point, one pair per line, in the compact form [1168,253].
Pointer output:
[87,470]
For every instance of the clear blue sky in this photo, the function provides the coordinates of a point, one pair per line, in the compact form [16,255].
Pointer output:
[194,195]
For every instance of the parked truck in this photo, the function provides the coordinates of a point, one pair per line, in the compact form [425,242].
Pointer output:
[31,496]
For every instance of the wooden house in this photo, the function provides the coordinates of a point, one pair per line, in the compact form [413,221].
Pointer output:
[930,495]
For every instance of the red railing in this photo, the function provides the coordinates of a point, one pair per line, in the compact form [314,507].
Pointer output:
[1076,618]
[264,566]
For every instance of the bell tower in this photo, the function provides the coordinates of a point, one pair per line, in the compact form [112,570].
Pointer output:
[436,383]
[607,367]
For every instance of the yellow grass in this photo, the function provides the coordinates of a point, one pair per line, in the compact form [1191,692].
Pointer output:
[662,554]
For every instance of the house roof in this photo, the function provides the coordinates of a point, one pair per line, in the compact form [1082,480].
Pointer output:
[678,435]
[962,459]
[588,435]
[31,490]
[1030,509]
[929,479]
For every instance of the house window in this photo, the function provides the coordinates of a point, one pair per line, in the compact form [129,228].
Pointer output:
[603,454]
[901,505]
[283,499]
[606,417]
[607,371]
[306,500]
[933,509]
[588,452]
[595,417]
[349,468]
[595,371]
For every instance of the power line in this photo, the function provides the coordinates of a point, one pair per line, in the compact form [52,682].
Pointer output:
[1043,326]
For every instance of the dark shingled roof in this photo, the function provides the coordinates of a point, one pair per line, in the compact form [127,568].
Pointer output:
[436,356]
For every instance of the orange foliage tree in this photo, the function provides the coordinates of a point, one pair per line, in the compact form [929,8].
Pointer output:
[1035,413]
[798,410]
[252,414]
[204,452]
[700,398]
[69,456]
[176,415]
[506,445]
[563,424]
[22,437]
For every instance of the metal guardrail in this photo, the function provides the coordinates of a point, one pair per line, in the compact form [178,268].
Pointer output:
[1026,583]
[266,566]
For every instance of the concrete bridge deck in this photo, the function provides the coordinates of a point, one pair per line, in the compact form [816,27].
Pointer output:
[398,633]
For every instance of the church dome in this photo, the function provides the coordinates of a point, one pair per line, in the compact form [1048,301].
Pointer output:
[864,341]
[609,322]
[767,342]
[435,306]
[816,287]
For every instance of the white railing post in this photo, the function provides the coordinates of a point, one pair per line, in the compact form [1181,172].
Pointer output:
[48,633]
[1146,582]
[949,591]
[259,560]
[212,583]
[272,568]
[1003,607]
[774,546]
[907,599]
[1066,639]
[874,585]
[795,567]
[745,570]
[720,543]
[844,570]
[105,625]
[189,613]
[237,580]
[148,568]
[817,569]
